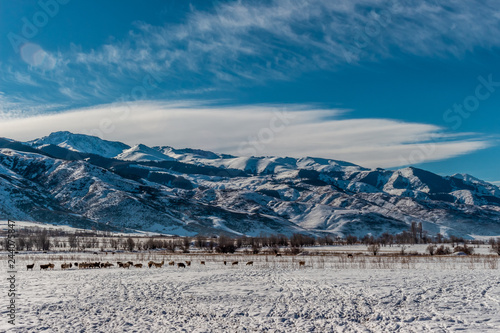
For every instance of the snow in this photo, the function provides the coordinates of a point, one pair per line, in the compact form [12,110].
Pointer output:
[329,294]
[81,143]
[220,224]
[70,229]
[142,153]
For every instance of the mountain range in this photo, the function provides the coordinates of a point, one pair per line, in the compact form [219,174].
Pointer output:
[84,181]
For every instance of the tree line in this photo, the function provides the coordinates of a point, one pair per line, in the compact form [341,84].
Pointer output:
[39,239]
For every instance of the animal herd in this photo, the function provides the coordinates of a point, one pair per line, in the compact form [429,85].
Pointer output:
[128,264]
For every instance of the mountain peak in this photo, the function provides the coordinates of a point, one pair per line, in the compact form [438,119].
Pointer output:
[141,152]
[81,143]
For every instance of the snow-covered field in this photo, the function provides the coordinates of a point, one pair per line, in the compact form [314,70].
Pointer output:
[329,294]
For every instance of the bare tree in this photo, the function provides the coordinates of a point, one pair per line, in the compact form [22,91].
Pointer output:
[225,245]
[130,244]
[414,232]
[186,243]
[439,238]
[114,243]
[73,241]
[42,241]
[351,240]
[200,241]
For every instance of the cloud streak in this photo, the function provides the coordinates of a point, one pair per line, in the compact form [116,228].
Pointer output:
[281,130]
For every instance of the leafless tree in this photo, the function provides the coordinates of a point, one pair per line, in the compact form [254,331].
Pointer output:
[130,244]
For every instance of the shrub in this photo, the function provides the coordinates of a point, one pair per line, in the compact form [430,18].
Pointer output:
[465,249]
[374,248]
[293,251]
[443,250]
[431,249]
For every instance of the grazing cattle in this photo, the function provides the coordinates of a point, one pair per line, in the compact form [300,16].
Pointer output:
[234,263]
[158,265]
[106,265]
[188,263]
[44,267]
[302,263]
[30,266]
[65,266]
[250,263]
[150,264]
[278,254]
[130,263]
[51,266]
[126,265]
[225,262]
[95,252]
[202,263]
[76,264]
[138,265]
[120,264]
[350,255]
[171,263]
[180,264]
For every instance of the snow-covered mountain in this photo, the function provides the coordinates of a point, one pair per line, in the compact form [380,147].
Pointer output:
[81,143]
[84,181]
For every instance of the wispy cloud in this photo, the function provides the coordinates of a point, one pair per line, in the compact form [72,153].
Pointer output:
[282,130]
[255,40]
[252,42]
[18,107]
[12,76]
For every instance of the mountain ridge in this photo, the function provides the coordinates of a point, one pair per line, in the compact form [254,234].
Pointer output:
[108,184]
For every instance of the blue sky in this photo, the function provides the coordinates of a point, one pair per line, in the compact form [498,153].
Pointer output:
[378,83]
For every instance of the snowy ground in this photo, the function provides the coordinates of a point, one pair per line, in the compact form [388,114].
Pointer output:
[67,228]
[331,294]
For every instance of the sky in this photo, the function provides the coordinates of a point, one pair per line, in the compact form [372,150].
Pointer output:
[378,83]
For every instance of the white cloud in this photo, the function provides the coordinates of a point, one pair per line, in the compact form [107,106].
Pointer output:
[35,56]
[282,130]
